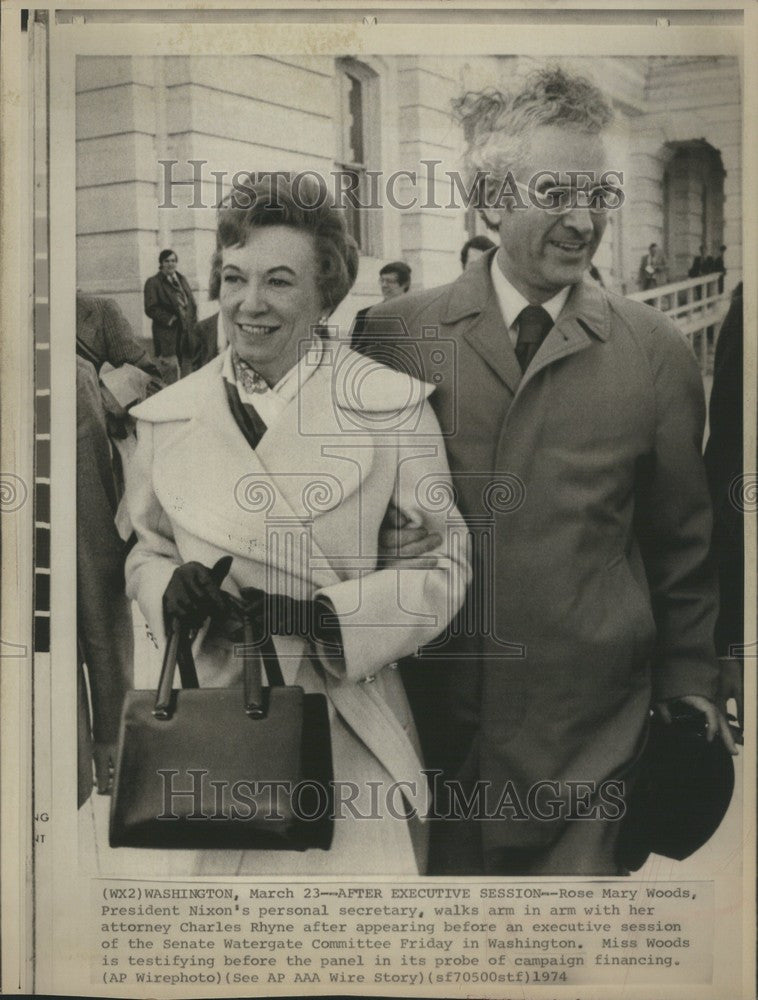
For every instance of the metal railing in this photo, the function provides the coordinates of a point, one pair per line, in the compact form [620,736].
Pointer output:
[696,306]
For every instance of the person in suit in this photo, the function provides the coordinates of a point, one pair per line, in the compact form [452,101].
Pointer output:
[211,339]
[211,335]
[394,280]
[652,268]
[696,267]
[170,304]
[104,618]
[275,438]
[573,420]
[720,267]
[724,467]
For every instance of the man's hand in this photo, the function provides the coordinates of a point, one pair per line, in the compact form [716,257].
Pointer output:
[731,686]
[715,719]
[116,417]
[153,386]
[401,545]
[104,755]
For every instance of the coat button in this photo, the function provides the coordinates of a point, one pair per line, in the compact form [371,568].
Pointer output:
[392,666]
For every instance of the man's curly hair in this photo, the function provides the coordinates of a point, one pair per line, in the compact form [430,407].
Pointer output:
[497,125]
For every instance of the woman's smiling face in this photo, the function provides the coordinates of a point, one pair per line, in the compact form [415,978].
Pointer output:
[269,298]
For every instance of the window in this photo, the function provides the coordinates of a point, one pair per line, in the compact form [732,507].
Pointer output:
[358,148]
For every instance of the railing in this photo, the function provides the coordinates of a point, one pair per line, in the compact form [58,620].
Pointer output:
[696,306]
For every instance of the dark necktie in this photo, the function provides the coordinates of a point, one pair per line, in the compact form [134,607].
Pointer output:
[533,325]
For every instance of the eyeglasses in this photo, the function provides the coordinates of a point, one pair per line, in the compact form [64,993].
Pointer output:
[558,199]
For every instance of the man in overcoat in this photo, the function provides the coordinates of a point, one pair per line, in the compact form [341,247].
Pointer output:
[211,340]
[573,420]
[170,304]
[104,618]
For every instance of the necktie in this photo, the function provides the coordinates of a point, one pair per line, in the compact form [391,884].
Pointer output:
[533,325]
[178,289]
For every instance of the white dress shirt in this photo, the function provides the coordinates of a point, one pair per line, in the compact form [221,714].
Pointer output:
[511,301]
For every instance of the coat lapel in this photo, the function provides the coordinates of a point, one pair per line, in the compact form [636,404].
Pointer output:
[584,320]
[315,457]
[489,338]
[315,465]
[246,502]
[473,304]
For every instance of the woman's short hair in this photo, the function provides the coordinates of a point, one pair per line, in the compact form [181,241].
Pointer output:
[301,202]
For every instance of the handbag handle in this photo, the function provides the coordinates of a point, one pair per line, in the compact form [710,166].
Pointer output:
[255,657]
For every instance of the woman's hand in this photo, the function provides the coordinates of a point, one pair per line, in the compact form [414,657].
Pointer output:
[194,593]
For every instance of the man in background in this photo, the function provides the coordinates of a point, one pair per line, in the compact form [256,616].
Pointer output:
[211,339]
[473,249]
[720,267]
[211,336]
[170,304]
[652,268]
[394,280]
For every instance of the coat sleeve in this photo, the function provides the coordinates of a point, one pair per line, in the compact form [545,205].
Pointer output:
[121,346]
[153,559]
[390,613]
[673,526]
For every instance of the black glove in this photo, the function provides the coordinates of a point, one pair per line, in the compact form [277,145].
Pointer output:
[277,614]
[194,594]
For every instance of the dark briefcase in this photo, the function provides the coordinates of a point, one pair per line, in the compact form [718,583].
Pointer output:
[245,767]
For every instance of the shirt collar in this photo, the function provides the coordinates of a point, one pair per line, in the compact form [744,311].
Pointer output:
[511,301]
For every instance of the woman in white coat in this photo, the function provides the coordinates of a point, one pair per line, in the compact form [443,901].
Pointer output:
[284,453]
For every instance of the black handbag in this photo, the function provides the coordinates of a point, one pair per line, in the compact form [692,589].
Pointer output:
[239,767]
[681,790]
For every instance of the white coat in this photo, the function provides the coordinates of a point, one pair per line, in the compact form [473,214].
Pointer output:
[300,515]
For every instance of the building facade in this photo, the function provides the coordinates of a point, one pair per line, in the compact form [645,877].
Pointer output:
[160,139]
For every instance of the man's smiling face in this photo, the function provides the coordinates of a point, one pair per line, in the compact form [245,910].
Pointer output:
[541,252]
